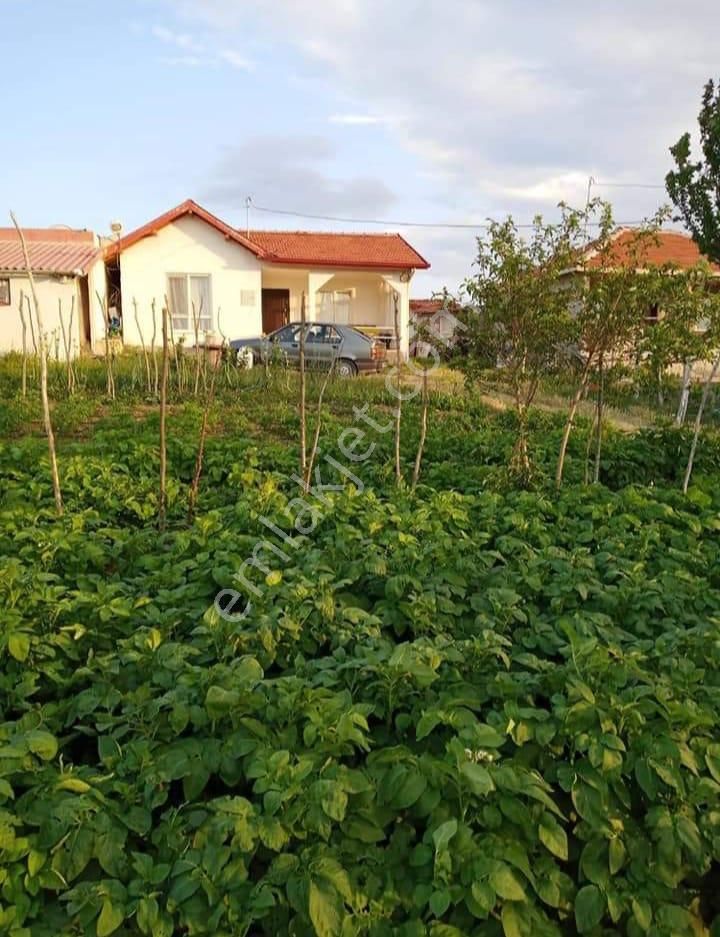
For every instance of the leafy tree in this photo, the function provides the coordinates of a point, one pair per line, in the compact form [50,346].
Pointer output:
[518,316]
[614,295]
[694,187]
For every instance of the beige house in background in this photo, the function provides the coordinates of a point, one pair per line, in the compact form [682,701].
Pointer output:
[242,284]
[67,268]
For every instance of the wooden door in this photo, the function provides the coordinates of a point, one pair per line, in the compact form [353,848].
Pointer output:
[275,309]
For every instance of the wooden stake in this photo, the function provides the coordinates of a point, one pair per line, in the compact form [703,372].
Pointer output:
[423,431]
[195,487]
[398,389]
[43,373]
[698,422]
[162,504]
[142,342]
[24,344]
[303,415]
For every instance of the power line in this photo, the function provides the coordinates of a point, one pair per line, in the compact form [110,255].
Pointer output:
[627,185]
[394,223]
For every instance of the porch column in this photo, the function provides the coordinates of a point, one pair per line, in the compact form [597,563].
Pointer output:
[400,284]
[316,279]
[97,295]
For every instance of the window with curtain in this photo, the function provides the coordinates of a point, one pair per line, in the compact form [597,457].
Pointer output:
[189,296]
[335,306]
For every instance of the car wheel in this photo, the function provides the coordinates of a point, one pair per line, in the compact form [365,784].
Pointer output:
[346,368]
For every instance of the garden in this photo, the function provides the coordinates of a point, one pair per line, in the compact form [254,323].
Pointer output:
[467,707]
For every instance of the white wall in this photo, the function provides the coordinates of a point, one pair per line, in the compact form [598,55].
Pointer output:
[190,246]
[49,290]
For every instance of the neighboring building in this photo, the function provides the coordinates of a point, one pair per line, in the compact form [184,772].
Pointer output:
[668,248]
[429,316]
[65,263]
[243,284]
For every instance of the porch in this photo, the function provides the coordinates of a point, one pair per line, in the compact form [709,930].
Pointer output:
[361,298]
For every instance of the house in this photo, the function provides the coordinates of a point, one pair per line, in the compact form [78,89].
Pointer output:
[430,318]
[65,263]
[238,284]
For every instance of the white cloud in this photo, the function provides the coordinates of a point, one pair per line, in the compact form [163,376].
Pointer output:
[181,40]
[236,60]
[359,120]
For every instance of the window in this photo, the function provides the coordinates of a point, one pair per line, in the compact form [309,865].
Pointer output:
[247,297]
[322,335]
[335,306]
[189,296]
[4,291]
[289,333]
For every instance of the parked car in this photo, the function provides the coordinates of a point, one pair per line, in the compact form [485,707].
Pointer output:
[325,342]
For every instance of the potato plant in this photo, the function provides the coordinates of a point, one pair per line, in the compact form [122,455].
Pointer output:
[467,710]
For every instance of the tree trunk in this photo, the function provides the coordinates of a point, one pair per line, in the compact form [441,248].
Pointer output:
[43,373]
[398,389]
[682,409]
[195,487]
[162,503]
[698,421]
[316,438]
[423,431]
[572,412]
[24,344]
[144,349]
[303,414]
[599,411]
[152,348]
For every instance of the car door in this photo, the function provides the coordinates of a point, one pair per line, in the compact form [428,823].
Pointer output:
[287,340]
[322,342]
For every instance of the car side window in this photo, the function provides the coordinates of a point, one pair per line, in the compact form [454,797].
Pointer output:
[288,334]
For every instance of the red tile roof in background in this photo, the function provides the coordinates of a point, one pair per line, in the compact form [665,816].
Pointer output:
[670,248]
[425,307]
[52,250]
[331,249]
[307,248]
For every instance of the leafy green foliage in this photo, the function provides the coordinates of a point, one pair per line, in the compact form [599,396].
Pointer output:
[467,712]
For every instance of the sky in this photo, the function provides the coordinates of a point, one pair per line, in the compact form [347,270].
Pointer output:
[412,111]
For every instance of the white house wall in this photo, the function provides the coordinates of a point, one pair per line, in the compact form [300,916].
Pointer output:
[190,246]
[49,291]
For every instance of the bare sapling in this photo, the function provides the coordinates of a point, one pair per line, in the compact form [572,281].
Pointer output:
[152,348]
[698,421]
[318,423]
[24,343]
[196,315]
[423,430]
[398,388]
[303,414]
[32,327]
[110,384]
[209,397]
[67,343]
[600,414]
[682,409]
[43,372]
[162,499]
[178,368]
[142,343]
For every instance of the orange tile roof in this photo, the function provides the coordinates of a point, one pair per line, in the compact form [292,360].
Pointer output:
[425,307]
[307,248]
[51,250]
[331,249]
[669,248]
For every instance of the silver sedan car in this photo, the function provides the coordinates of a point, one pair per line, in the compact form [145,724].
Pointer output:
[325,343]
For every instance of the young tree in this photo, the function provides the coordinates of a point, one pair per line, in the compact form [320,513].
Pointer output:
[694,186]
[520,315]
[43,371]
[615,295]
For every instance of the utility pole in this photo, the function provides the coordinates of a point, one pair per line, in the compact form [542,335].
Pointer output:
[248,200]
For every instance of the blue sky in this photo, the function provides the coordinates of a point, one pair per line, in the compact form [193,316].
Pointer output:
[407,111]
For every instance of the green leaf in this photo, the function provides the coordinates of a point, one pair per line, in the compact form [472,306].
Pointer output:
[507,884]
[111,917]
[617,855]
[76,785]
[42,744]
[325,909]
[589,908]
[19,645]
[444,833]
[478,778]
[553,836]
[439,902]
[147,914]
[642,912]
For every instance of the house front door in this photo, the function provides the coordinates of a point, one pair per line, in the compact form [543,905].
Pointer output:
[275,309]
